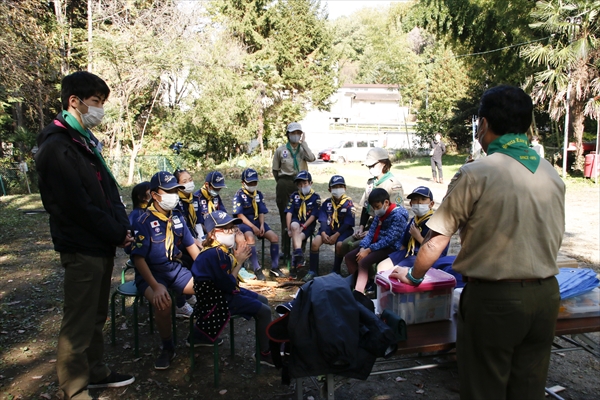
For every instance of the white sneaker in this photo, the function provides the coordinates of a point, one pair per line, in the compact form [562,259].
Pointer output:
[184,312]
[191,301]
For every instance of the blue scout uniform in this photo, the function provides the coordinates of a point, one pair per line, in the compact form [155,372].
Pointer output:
[207,204]
[312,206]
[184,207]
[402,257]
[245,203]
[150,242]
[341,221]
[133,216]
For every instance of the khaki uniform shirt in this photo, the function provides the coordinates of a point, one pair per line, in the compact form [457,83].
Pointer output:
[391,185]
[284,162]
[511,221]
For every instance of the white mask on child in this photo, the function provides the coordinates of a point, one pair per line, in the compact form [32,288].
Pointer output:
[250,189]
[168,201]
[93,117]
[189,187]
[420,209]
[305,190]
[338,192]
[226,239]
[381,212]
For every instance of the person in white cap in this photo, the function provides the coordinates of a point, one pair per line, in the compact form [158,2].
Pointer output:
[288,161]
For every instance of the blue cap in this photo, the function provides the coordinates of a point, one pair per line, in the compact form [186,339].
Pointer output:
[217,219]
[250,175]
[164,180]
[216,179]
[421,191]
[303,176]
[337,180]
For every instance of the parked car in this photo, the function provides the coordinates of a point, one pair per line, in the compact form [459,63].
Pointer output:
[352,150]
[325,155]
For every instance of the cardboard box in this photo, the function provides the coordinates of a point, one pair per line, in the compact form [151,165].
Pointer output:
[428,302]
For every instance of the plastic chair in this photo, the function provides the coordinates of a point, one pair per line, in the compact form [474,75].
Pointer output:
[128,289]
[216,359]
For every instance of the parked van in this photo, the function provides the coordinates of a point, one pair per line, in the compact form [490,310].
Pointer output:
[352,150]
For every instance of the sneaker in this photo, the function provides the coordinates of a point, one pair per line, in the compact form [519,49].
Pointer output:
[164,359]
[112,381]
[293,272]
[245,275]
[259,275]
[277,273]
[310,275]
[184,312]
[201,341]
[265,359]
[192,300]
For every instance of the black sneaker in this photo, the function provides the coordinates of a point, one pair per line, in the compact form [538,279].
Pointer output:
[164,359]
[114,380]
[259,275]
[201,341]
[265,359]
[277,273]
[293,272]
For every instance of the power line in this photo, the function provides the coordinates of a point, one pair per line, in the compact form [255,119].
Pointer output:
[500,49]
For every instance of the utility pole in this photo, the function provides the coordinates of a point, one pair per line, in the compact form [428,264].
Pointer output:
[89,28]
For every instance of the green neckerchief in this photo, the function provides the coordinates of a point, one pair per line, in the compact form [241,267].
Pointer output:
[74,123]
[379,181]
[516,146]
[294,154]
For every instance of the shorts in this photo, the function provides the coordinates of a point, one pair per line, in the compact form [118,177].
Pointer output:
[244,303]
[343,236]
[176,279]
[399,258]
[245,228]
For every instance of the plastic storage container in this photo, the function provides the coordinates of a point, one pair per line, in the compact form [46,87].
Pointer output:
[428,302]
[584,305]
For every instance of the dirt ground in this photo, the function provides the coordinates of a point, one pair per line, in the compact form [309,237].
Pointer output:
[30,315]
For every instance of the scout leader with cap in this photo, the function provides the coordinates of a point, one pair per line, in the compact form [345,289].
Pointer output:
[250,207]
[208,196]
[288,161]
[336,218]
[219,295]
[302,212]
[158,234]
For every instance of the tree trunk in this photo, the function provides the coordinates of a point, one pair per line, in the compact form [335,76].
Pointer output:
[60,19]
[134,152]
[261,129]
[577,117]
[89,29]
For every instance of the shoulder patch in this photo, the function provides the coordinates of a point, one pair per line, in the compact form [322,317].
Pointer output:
[454,180]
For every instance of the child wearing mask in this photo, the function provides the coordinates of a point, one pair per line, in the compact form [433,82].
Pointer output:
[249,206]
[189,204]
[219,295]
[336,218]
[382,239]
[421,202]
[301,217]
[208,196]
[140,196]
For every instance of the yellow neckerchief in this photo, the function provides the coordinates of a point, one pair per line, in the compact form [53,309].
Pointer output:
[302,210]
[169,237]
[412,242]
[254,205]
[189,199]
[209,199]
[215,243]
[336,207]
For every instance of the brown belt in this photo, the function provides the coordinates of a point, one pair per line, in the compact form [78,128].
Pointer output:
[467,279]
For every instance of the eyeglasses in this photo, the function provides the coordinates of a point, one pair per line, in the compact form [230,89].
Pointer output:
[227,230]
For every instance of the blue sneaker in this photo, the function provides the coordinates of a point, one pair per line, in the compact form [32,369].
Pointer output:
[245,275]
[310,275]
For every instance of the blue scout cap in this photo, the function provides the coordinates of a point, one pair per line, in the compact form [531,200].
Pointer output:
[217,219]
[303,176]
[216,179]
[421,191]
[164,180]
[337,180]
[294,126]
[250,175]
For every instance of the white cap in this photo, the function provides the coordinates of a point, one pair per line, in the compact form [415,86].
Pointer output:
[294,126]
[375,155]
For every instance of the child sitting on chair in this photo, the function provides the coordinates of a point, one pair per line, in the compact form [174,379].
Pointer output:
[208,196]
[301,217]
[219,295]
[249,206]
[336,219]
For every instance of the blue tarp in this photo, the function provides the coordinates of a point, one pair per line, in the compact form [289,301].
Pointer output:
[575,281]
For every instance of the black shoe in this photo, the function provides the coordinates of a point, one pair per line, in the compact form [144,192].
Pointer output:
[259,275]
[164,359]
[277,273]
[114,380]
[201,341]
[265,359]
[293,272]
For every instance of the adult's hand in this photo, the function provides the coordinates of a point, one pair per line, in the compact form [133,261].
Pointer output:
[400,274]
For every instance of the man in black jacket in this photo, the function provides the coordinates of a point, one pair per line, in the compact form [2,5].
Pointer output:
[87,222]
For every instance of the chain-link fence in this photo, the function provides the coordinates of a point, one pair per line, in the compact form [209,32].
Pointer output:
[144,167]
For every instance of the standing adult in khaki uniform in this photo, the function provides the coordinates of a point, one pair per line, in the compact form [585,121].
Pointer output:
[509,207]
[288,160]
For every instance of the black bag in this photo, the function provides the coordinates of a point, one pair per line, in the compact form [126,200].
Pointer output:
[397,324]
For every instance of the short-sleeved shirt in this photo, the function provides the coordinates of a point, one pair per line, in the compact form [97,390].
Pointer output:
[203,205]
[391,185]
[185,210]
[511,221]
[313,205]
[242,204]
[345,217]
[150,236]
[284,162]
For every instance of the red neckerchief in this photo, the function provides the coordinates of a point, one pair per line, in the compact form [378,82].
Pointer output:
[381,219]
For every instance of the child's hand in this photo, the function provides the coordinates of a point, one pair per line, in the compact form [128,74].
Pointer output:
[415,232]
[262,229]
[362,254]
[161,299]
[255,230]
[242,252]
[358,233]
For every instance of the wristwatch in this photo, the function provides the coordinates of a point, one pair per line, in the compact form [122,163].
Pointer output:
[412,279]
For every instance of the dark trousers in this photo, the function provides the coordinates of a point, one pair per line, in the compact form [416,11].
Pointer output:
[80,341]
[505,334]
[436,164]
[284,189]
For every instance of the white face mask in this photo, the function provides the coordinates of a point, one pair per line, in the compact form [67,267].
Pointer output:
[213,192]
[420,209]
[338,192]
[381,212]
[226,239]
[305,190]
[189,187]
[168,201]
[250,189]
[93,117]
[480,138]
[376,170]
[294,138]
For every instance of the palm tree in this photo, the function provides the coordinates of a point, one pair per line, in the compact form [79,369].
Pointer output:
[569,61]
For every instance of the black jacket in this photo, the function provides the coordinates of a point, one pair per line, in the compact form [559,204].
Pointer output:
[86,213]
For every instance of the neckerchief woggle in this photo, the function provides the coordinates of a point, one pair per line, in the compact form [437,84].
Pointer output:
[412,242]
[169,237]
[302,210]
[189,199]
[254,205]
[516,146]
[294,154]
